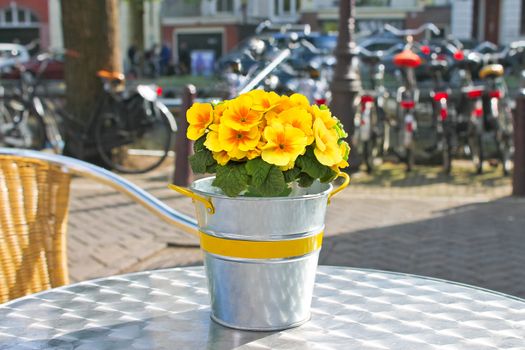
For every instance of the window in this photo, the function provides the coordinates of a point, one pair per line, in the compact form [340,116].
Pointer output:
[286,7]
[225,6]
[8,15]
[14,16]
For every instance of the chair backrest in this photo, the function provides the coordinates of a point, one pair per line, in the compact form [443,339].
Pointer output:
[34,197]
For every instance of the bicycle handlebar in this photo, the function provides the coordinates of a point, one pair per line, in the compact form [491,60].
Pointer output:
[377,54]
[406,32]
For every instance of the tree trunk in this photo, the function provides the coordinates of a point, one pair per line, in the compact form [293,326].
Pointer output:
[90,28]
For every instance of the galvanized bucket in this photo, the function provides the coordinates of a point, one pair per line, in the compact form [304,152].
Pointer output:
[260,253]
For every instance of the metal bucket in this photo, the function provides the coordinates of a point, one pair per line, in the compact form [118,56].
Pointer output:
[260,253]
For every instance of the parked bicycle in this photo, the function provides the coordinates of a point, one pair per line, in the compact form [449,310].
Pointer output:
[21,126]
[443,116]
[407,95]
[369,131]
[130,130]
[497,116]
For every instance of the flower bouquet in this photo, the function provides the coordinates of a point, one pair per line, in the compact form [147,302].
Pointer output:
[259,143]
[261,217]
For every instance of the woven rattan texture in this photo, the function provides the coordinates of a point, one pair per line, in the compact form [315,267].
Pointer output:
[351,309]
[34,199]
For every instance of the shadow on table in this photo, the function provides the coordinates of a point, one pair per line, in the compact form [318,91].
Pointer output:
[188,330]
[480,244]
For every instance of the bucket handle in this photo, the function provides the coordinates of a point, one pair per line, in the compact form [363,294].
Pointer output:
[195,197]
[345,183]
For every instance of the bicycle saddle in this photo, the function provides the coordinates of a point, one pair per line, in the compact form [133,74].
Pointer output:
[105,74]
[407,58]
[494,70]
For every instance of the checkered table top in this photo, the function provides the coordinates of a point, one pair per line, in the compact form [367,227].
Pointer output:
[351,309]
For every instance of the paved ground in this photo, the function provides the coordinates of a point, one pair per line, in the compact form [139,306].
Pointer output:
[464,228]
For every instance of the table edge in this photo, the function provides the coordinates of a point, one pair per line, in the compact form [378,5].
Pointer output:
[322,267]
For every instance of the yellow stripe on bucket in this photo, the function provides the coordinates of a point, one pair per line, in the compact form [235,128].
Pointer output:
[261,250]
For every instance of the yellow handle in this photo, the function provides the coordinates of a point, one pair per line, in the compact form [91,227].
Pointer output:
[340,188]
[195,197]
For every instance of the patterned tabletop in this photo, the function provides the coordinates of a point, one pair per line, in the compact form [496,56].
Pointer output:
[351,309]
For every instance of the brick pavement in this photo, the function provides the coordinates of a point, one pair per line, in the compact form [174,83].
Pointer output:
[463,230]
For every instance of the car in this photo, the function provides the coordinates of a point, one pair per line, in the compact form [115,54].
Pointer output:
[49,66]
[11,55]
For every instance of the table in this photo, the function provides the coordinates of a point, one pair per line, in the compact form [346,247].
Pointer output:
[351,309]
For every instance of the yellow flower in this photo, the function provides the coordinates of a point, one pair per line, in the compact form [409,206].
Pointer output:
[221,157]
[326,150]
[254,153]
[282,105]
[218,111]
[324,115]
[199,116]
[264,101]
[212,139]
[299,100]
[239,115]
[287,166]
[285,144]
[233,141]
[298,118]
[344,148]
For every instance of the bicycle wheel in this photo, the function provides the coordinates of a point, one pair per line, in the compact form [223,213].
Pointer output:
[447,153]
[134,142]
[368,158]
[504,144]
[476,150]
[21,126]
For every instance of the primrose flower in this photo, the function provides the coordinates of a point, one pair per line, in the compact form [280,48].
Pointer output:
[221,157]
[218,110]
[254,153]
[299,100]
[345,152]
[212,139]
[199,117]
[298,118]
[282,105]
[239,115]
[324,115]
[285,144]
[326,150]
[232,140]
[264,101]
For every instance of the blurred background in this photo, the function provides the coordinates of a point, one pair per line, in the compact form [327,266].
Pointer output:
[430,93]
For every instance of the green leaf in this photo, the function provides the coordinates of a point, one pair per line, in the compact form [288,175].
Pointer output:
[286,192]
[305,180]
[258,169]
[274,184]
[200,161]
[291,175]
[310,165]
[210,169]
[232,178]
[329,177]
[198,145]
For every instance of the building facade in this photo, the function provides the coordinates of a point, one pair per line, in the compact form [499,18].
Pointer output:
[498,21]
[27,21]
[219,25]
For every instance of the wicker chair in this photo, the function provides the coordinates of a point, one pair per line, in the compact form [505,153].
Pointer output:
[34,198]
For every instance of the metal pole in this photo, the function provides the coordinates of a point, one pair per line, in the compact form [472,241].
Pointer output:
[182,174]
[346,83]
[518,177]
